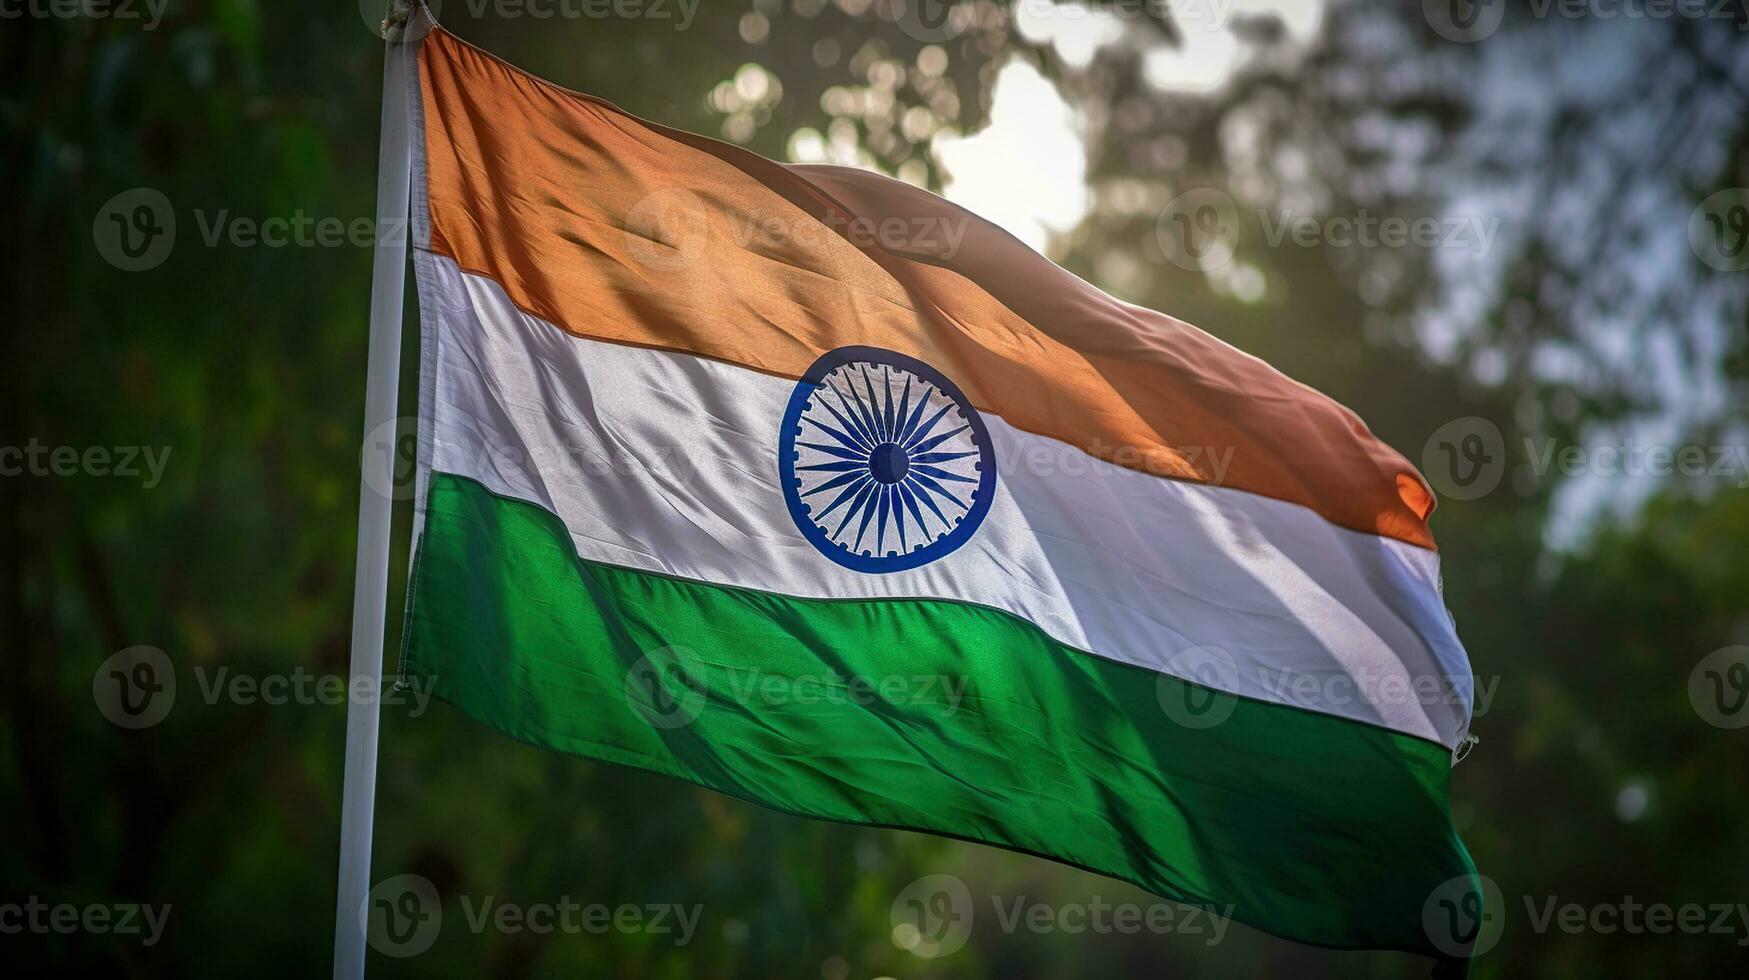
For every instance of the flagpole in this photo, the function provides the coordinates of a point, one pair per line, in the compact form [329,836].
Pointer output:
[371,580]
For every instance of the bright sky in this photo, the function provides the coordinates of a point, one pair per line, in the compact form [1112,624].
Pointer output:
[1027,169]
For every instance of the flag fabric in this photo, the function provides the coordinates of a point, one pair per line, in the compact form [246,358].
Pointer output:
[807,486]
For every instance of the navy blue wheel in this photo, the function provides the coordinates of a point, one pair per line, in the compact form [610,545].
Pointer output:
[884,464]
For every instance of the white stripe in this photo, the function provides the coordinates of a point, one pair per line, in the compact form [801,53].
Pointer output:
[668,462]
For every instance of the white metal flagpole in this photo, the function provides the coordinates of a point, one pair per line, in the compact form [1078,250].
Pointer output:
[371,584]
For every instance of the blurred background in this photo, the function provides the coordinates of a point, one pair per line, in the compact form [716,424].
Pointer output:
[1513,237]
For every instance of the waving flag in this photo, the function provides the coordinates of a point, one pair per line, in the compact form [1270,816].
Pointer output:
[807,486]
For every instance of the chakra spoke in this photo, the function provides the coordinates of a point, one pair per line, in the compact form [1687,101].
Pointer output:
[874,406]
[916,413]
[934,487]
[887,400]
[834,433]
[853,407]
[881,524]
[910,500]
[868,511]
[904,403]
[841,453]
[923,430]
[899,516]
[855,506]
[862,412]
[924,447]
[923,495]
[835,482]
[942,457]
[856,419]
[941,474]
[848,491]
[837,467]
[862,442]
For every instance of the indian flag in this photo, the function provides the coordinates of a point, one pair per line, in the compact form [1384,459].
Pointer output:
[804,485]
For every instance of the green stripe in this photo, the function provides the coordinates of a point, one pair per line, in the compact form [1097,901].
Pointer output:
[1315,828]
